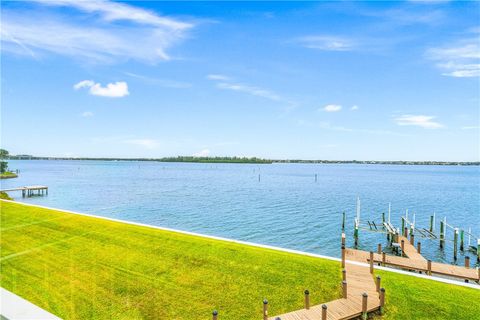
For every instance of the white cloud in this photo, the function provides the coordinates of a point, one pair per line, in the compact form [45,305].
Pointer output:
[355,107]
[327,43]
[100,32]
[470,127]
[460,60]
[332,108]
[202,153]
[167,83]
[87,114]
[112,90]
[145,143]
[328,126]
[219,77]
[255,91]
[419,121]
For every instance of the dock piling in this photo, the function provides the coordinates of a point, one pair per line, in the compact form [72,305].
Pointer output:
[214,315]
[371,262]
[442,234]
[467,262]
[431,223]
[419,247]
[403,247]
[307,299]
[379,279]
[382,301]
[379,248]
[462,237]
[455,243]
[343,222]
[344,275]
[412,239]
[364,306]
[344,289]
[324,312]
[384,258]
[343,256]
[429,267]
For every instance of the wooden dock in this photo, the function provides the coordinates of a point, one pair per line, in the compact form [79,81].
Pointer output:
[29,191]
[414,261]
[359,281]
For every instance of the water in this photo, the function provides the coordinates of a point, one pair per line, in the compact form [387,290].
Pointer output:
[286,208]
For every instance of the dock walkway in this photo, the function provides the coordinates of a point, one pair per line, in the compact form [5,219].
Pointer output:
[29,190]
[359,280]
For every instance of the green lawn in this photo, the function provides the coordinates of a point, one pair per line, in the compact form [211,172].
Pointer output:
[79,268]
[8,175]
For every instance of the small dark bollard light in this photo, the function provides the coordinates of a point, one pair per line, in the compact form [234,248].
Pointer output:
[324,312]
[265,309]
[307,299]
[215,315]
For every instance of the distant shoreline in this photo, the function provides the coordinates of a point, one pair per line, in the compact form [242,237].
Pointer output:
[239,160]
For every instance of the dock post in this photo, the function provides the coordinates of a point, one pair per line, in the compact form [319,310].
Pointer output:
[467,262]
[371,262]
[307,299]
[462,242]
[379,248]
[343,239]
[364,306]
[379,279]
[442,234]
[265,309]
[383,217]
[429,267]
[384,258]
[344,275]
[431,223]
[419,247]
[455,243]
[478,250]
[343,256]
[403,247]
[405,232]
[344,289]
[324,312]
[355,233]
[382,301]
[412,238]
[343,222]
[403,224]
[214,315]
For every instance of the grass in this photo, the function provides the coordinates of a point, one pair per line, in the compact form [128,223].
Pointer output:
[8,175]
[5,196]
[83,268]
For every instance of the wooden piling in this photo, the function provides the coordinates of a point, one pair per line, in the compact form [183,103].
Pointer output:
[412,239]
[265,309]
[431,223]
[467,262]
[343,239]
[344,275]
[344,289]
[343,256]
[379,279]
[455,244]
[419,247]
[403,224]
[364,306]
[442,234]
[324,312]
[307,299]
[214,315]
[343,222]
[403,247]
[405,232]
[379,248]
[462,239]
[382,301]
[371,262]
[429,267]
[383,217]
[384,258]
[355,234]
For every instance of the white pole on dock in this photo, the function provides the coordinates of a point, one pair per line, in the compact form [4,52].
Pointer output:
[389,211]
[469,236]
[358,210]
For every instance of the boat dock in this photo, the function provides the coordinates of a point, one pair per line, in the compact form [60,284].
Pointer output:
[29,191]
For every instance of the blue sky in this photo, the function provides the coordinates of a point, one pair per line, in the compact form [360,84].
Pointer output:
[310,80]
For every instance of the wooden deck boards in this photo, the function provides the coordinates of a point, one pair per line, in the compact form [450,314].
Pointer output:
[414,264]
[359,280]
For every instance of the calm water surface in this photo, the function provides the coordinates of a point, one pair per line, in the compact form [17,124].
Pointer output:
[285,208]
